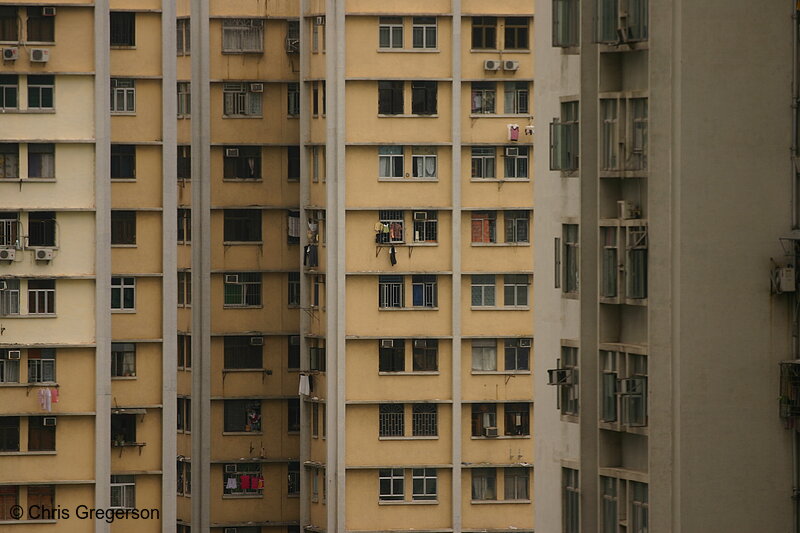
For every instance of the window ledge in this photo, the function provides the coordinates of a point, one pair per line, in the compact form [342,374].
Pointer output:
[239,433]
[570,295]
[408,116]
[122,47]
[234,306]
[504,308]
[123,113]
[408,309]
[244,180]
[499,244]
[230,370]
[408,50]
[412,437]
[128,180]
[124,246]
[500,115]
[49,452]
[498,51]
[499,180]
[242,52]
[25,522]
[418,373]
[123,311]
[243,116]
[241,496]
[29,179]
[35,315]
[501,437]
[412,502]
[500,373]
[243,243]
[484,502]
[406,244]
[408,180]
[123,378]
[29,111]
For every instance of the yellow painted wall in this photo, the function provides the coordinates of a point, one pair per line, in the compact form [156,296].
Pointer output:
[494,514]
[405,6]
[274,504]
[145,123]
[145,58]
[148,496]
[145,388]
[271,316]
[245,8]
[145,191]
[131,458]
[145,257]
[273,423]
[499,450]
[145,322]
[274,189]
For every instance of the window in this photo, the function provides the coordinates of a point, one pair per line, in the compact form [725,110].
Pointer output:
[41,27]
[123,95]
[184,225]
[9,368]
[123,359]
[423,161]
[515,290]
[515,96]
[424,32]
[123,293]
[242,225]
[390,291]
[391,420]
[314,98]
[184,289]
[516,162]
[9,228]
[294,288]
[484,94]
[316,354]
[617,24]
[391,355]
[242,289]
[423,482]
[123,227]
[517,354]
[293,99]
[9,159]
[484,224]
[293,352]
[123,492]
[41,90]
[184,99]
[41,160]
[516,484]
[41,297]
[293,487]
[242,416]
[483,290]
[183,29]
[484,33]
[184,163]
[123,162]
[570,239]
[484,484]
[390,162]
[640,508]
[484,420]
[9,88]
[425,355]
[517,225]
[9,27]
[42,498]
[391,227]
[564,139]
[516,33]
[293,414]
[315,419]
[184,414]
[41,365]
[608,504]
[242,479]
[391,482]
[9,497]
[425,226]
[123,29]
[484,354]
[292,36]
[42,228]
[184,351]
[423,420]
[9,297]
[242,162]
[242,35]
[244,352]
[636,262]
[390,32]
[517,420]
[610,262]
[623,134]
[424,290]
[293,163]
[483,162]
[566,23]
[423,97]
[390,97]
[123,429]
[41,437]
[9,433]
[571,500]
[623,388]
[240,100]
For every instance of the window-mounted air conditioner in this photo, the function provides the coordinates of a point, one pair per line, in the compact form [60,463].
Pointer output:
[492,64]
[8,254]
[256,341]
[626,210]
[510,65]
[15,354]
[490,432]
[40,55]
[48,11]
[387,343]
[10,54]
[420,215]
[43,254]
[256,87]
[560,376]
[292,45]
[231,278]
[231,152]
[525,343]
[320,21]
[420,343]
[512,151]
[230,469]
[49,421]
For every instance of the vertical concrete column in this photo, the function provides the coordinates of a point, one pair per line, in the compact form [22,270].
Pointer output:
[201,269]
[102,132]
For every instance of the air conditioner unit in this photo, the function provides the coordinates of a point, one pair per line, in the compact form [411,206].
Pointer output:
[510,65]
[491,64]
[420,343]
[48,11]
[43,254]
[256,341]
[785,278]
[630,386]
[626,210]
[292,45]
[15,354]
[231,152]
[256,87]
[560,376]
[512,151]
[10,54]
[40,55]
[525,343]
[231,278]
[3,285]
[420,215]
[320,21]
[8,254]
[490,432]
[230,530]
[230,469]
[49,421]
[387,343]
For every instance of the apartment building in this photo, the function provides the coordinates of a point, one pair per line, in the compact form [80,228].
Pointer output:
[659,332]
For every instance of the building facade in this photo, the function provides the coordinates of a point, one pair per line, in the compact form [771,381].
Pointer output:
[657,325]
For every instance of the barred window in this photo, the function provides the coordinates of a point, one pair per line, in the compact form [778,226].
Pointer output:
[391,420]
[424,420]
[243,352]
[242,289]
[242,35]
[240,99]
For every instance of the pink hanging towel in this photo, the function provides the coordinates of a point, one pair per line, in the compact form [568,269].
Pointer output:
[54,395]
